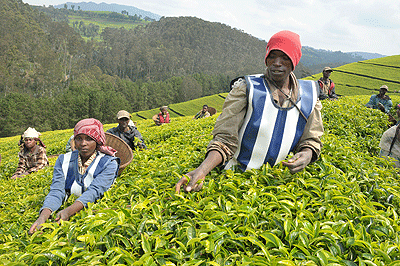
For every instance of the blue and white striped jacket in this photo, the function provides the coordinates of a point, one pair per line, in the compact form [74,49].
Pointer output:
[89,187]
[269,132]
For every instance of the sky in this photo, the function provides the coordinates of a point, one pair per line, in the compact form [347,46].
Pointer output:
[338,25]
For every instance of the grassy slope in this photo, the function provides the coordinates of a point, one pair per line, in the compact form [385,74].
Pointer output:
[189,108]
[376,73]
[365,77]
[102,23]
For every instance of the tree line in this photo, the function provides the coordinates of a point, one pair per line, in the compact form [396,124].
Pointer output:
[50,77]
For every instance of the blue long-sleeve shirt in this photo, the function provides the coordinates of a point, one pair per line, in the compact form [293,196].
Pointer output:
[385,101]
[100,184]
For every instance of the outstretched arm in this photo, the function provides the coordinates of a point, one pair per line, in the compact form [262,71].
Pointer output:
[69,211]
[198,175]
[21,169]
[44,215]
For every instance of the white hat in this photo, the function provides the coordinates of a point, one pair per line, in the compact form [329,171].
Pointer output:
[31,133]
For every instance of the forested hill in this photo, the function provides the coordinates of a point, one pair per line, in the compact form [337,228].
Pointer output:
[50,78]
[182,46]
[91,6]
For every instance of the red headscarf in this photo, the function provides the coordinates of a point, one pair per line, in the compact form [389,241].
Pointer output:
[94,129]
[287,42]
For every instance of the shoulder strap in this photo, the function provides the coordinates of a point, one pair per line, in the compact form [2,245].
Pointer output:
[320,83]
[332,84]
[89,177]
[65,164]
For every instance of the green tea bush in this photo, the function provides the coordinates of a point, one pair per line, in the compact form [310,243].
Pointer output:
[341,210]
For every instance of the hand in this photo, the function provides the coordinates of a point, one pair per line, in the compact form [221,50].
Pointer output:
[15,176]
[198,175]
[69,211]
[62,215]
[36,226]
[381,107]
[195,183]
[44,215]
[391,119]
[299,161]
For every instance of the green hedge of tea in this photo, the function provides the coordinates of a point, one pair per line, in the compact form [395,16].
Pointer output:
[366,77]
[341,210]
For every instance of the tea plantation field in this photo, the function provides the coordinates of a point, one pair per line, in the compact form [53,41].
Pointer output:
[342,210]
[365,77]
[360,78]
[189,108]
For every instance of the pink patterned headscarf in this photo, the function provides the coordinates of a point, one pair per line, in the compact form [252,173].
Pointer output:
[94,129]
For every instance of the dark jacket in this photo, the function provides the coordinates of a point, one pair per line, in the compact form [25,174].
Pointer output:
[331,90]
[129,137]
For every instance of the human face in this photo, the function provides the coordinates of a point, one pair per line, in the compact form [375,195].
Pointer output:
[205,109]
[326,74]
[279,66]
[382,91]
[123,123]
[85,145]
[29,143]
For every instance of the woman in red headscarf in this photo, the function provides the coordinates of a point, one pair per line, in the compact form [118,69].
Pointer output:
[87,172]
[265,117]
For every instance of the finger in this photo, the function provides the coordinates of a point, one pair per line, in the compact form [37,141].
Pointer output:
[181,182]
[193,184]
[294,158]
[297,167]
[198,187]
[32,229]
[295,170]
[58,217]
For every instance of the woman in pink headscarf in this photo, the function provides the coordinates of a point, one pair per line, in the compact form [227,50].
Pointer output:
[87,172]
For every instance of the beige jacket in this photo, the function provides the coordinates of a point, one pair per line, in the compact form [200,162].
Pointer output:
[228,124]
[385,143]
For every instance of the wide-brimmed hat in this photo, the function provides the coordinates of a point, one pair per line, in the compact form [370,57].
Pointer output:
[327,69]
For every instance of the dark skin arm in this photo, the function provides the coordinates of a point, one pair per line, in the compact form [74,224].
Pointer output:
[69,211]
[62,215]
[44,215]
[15,176]
[295,164]
[198,175]
[299,161]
